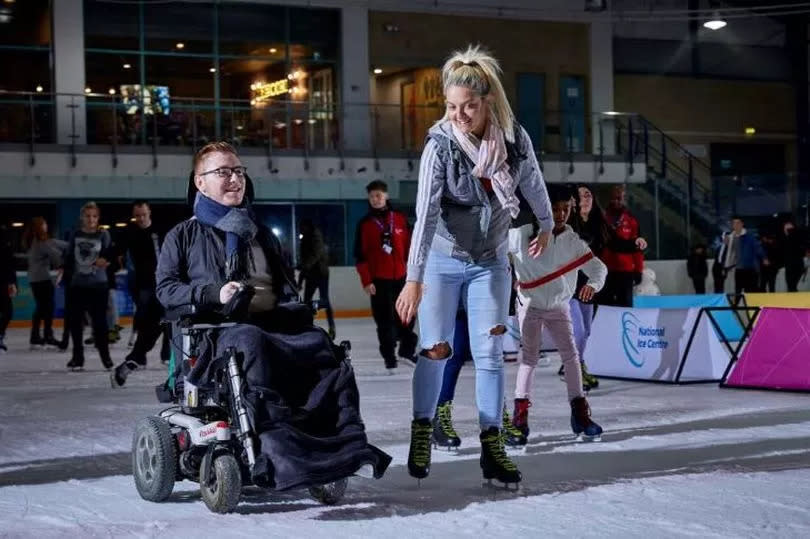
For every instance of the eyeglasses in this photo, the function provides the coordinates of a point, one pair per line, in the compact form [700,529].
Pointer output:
[225,173]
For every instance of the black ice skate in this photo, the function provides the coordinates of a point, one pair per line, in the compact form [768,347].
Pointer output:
[495,464]
[119,375]
[419,452]
[581,423]
[444,435]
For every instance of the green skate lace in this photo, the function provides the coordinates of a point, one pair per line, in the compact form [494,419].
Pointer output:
[446,419]
[508,427]
[420,444]
[494,443]
[587,377]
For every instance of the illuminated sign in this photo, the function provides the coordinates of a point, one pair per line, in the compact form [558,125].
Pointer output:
[262,92]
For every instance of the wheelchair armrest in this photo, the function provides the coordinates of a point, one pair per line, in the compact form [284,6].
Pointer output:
[190,315]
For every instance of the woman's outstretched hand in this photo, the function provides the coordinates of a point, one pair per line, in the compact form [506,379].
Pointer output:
[539,244]
[408,301]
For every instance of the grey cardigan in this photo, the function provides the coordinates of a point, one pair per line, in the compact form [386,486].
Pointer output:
[455,215]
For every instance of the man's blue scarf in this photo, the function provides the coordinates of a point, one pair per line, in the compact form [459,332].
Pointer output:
[239,227]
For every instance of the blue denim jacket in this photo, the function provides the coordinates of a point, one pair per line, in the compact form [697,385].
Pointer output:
[455,215]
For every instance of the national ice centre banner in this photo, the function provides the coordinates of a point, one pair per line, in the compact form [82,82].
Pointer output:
[650,344]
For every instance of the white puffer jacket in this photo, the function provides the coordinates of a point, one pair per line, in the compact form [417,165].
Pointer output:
[563,249]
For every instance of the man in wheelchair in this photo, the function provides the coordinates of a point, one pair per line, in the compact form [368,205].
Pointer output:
[298,389]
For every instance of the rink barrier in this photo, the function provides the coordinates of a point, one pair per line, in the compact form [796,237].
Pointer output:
[776,356]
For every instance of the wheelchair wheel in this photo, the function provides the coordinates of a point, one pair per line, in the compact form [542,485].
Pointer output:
[223,489]
[330,493]
[154,459]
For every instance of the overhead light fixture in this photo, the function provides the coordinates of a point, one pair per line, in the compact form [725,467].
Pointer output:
[8,1]
[213,70]
[750,131]
[120,225]
[273,50]
[715,23]
[611,113]
[180,45]
[127,66]
[88,90]
[111,91]
[39,88]
[377,71]
[17,224]
[276,231]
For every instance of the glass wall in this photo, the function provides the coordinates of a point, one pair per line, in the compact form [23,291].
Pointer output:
[188,72]
[26,83]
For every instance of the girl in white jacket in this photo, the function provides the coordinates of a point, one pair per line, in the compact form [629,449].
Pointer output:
[545,286]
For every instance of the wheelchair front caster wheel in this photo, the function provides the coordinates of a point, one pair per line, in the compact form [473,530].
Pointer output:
[154,462]
[223,488]
[330,493]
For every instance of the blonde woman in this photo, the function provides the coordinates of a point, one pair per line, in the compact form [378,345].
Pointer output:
[473,163]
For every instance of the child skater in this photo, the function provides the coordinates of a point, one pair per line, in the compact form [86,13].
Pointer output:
[545,286]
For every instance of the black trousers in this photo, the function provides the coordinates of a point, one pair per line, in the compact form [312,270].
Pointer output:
[93,301]
[719,277]
[389,327]
[618,290]
[792,276]
[700,284]
[43,309]
[148,314]
[746,280]
[321,284]
[767,279]
[6,310]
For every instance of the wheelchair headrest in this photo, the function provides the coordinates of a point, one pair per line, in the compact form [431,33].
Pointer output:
[191,191]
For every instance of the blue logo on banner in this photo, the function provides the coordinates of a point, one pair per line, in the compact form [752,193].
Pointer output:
[630,326]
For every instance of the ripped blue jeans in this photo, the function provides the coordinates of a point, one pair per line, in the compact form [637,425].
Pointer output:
[483,288]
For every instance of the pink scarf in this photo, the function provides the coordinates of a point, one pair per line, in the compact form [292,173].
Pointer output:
[490,162]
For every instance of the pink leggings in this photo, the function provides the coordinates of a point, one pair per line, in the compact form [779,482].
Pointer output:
[559,325]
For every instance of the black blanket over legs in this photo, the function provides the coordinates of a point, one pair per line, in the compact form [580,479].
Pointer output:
[302,400]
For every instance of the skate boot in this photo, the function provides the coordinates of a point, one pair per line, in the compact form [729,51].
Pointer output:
[561,372]
[51,341]
[444,435]
[581,423]
[589,381]
[516,431]
[494,462]
[36,342]
[419,452]
[3,347]
[76,364]
[119,375]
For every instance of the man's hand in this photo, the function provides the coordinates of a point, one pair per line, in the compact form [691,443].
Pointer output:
[227,291]
[12,290]
[370,289]
[538,244]
[102,262]
[586,293]
[408,301]
[641,243]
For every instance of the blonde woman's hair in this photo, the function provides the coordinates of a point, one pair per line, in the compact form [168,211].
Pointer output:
[477,70]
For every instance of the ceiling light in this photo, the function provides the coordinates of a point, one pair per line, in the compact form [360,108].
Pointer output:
[39,88]
[87,90]
[273,50]
[127,66]
[276,231]
[111,91]
[715,23]
[120,225]
[17,224]
[750,131]
[213,70]
[377,71]
[180,45]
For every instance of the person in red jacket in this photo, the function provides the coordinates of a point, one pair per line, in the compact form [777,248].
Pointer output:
[381,249]
[623,254]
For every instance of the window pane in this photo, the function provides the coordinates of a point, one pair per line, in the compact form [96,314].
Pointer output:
[278,218]
[25,22]
[110,25]
[250,29]
[112,115]
[314,34]
[30,70]
[331,220]
[179,27]
[184,77]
